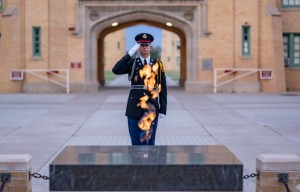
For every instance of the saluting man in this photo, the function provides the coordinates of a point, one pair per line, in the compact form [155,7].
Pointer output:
[134,111]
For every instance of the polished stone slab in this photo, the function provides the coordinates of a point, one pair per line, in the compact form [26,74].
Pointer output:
[146,168]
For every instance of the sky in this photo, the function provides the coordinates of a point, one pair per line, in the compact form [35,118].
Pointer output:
[131,32]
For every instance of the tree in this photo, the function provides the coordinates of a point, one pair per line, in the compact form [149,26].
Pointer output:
[156,52]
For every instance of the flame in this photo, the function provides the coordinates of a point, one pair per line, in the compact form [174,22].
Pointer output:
[143,103]
[155,68]
[148,73]
[154,94]
[146,121]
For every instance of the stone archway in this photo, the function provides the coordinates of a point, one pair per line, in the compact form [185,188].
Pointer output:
[105,32]
[99,17]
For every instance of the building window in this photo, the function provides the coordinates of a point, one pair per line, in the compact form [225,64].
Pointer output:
[119,45]
[290,3]
[36,41]
[286,50]
[168,59]
[291,47]
[178,44]
[1,5]
[246,40]
[178,61]
[297,50]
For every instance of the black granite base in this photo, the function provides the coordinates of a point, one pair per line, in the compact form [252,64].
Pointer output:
[146,168]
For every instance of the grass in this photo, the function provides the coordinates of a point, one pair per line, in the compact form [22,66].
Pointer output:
[175,75]
[109,76]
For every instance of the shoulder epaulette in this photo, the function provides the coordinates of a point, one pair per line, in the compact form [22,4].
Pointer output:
[160,65]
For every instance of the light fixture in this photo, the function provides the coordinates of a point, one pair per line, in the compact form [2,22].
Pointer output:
[169,24]
[115,24]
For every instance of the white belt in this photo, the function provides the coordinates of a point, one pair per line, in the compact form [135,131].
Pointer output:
[141,87]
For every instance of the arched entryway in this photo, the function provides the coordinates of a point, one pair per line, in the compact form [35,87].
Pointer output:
[95,31]
[105,32]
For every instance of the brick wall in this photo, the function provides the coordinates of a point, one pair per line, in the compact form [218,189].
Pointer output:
[19,167]
[269,166]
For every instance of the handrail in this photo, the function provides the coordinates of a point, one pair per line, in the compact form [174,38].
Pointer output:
[53,72]
[264,74]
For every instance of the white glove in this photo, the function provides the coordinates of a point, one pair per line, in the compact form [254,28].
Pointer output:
[160,115]
[132,51]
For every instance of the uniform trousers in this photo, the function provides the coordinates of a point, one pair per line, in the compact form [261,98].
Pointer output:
[135,132]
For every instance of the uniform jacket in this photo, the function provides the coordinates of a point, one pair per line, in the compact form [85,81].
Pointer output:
[124,66]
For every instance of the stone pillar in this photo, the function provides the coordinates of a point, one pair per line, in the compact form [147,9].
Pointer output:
[270,46]
[270,165]
[19,167]
[298,188]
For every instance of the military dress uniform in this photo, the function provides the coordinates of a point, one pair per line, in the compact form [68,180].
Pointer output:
[130,66]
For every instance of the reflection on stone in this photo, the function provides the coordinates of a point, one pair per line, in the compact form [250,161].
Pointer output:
[145,155]
[146,168]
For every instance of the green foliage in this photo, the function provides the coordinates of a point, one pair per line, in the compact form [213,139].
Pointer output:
[156,52]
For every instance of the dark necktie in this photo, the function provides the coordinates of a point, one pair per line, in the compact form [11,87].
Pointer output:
[145,61]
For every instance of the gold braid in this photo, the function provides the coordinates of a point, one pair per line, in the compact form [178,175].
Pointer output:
[161,69]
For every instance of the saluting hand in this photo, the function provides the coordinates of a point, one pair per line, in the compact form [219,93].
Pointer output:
[132,51]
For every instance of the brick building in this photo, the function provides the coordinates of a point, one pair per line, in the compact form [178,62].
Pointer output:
[171,51]
[228,35]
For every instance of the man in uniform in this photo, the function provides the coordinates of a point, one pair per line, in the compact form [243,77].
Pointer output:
[134,110]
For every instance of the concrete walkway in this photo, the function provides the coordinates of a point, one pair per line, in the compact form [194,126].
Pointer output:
[248,124]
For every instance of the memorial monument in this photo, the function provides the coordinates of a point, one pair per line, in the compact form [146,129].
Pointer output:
[146,168]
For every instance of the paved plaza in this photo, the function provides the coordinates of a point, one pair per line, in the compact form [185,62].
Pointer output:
[248,124]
